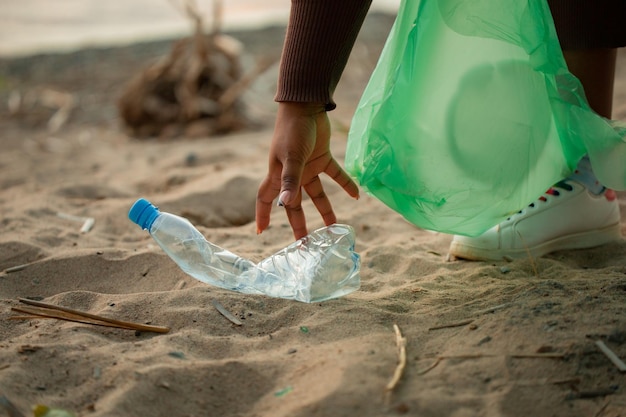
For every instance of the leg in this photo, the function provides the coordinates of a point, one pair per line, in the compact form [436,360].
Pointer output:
[577,212]
[595,68]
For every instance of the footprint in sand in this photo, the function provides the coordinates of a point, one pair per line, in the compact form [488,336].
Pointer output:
[232,204]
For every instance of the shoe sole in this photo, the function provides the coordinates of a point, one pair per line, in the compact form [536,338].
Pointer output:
[584,240]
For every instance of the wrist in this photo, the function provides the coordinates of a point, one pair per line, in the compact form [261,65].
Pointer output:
[303,108]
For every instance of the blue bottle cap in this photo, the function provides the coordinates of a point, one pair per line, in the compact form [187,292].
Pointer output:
[143,213]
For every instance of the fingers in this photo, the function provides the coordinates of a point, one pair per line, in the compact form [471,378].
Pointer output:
[297,220]
[287,189]
[341,177]
[290,181]
[265,196]
[290,197]
[315,190]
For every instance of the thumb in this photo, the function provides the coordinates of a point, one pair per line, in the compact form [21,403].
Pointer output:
[290,182]
[284,198]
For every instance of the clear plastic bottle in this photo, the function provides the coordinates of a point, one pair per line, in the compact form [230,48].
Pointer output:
[318,267]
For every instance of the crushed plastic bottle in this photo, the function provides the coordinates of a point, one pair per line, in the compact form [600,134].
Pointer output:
[321,266]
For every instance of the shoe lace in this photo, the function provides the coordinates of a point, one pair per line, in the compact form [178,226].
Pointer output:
[553,191]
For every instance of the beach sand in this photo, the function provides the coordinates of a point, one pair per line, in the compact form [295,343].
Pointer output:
[522,336]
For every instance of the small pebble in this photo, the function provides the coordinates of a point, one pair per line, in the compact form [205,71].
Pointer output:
[283,391]
[505,269]
[177,355]
[292,351]
[484,340]
[545,349]
[191,159]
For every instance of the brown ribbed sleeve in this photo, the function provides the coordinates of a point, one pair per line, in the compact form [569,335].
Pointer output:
[320,36]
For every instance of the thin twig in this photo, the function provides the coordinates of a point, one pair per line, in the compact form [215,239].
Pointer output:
[427,369]
[397,374]
[50,310]
[568,381]
[446,326]
[538,355]
[482,355]
[492,309]
[590,394]
[612,356]
[15,268]
[225,312]
[440,358]
[234,91]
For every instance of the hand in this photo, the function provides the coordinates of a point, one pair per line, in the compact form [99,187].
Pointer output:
[300,151]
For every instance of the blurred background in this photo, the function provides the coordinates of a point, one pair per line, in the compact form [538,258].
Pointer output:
[32,26]
[87,63]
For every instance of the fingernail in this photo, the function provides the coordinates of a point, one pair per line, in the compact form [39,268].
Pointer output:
[281,199]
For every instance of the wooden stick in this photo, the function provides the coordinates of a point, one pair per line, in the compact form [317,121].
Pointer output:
[446,326]
[401,344]
[612,356]
[30,316]
[37,313]
[428,368]
[467,356]
[80,316]
[15,268]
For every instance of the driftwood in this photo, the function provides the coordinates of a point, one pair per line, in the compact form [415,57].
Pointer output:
[195,90]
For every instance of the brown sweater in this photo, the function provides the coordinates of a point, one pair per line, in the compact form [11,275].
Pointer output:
[321,34]
[320,37]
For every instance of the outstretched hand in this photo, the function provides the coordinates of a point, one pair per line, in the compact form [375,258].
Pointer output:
[299,152]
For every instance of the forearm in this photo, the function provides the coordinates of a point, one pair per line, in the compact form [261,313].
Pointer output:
[319,39]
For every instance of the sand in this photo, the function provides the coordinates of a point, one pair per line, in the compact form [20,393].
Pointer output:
[523,343]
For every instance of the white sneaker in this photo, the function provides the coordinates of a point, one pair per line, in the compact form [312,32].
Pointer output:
[566,217]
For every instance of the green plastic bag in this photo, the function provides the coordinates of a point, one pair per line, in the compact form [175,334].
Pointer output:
[471,114]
